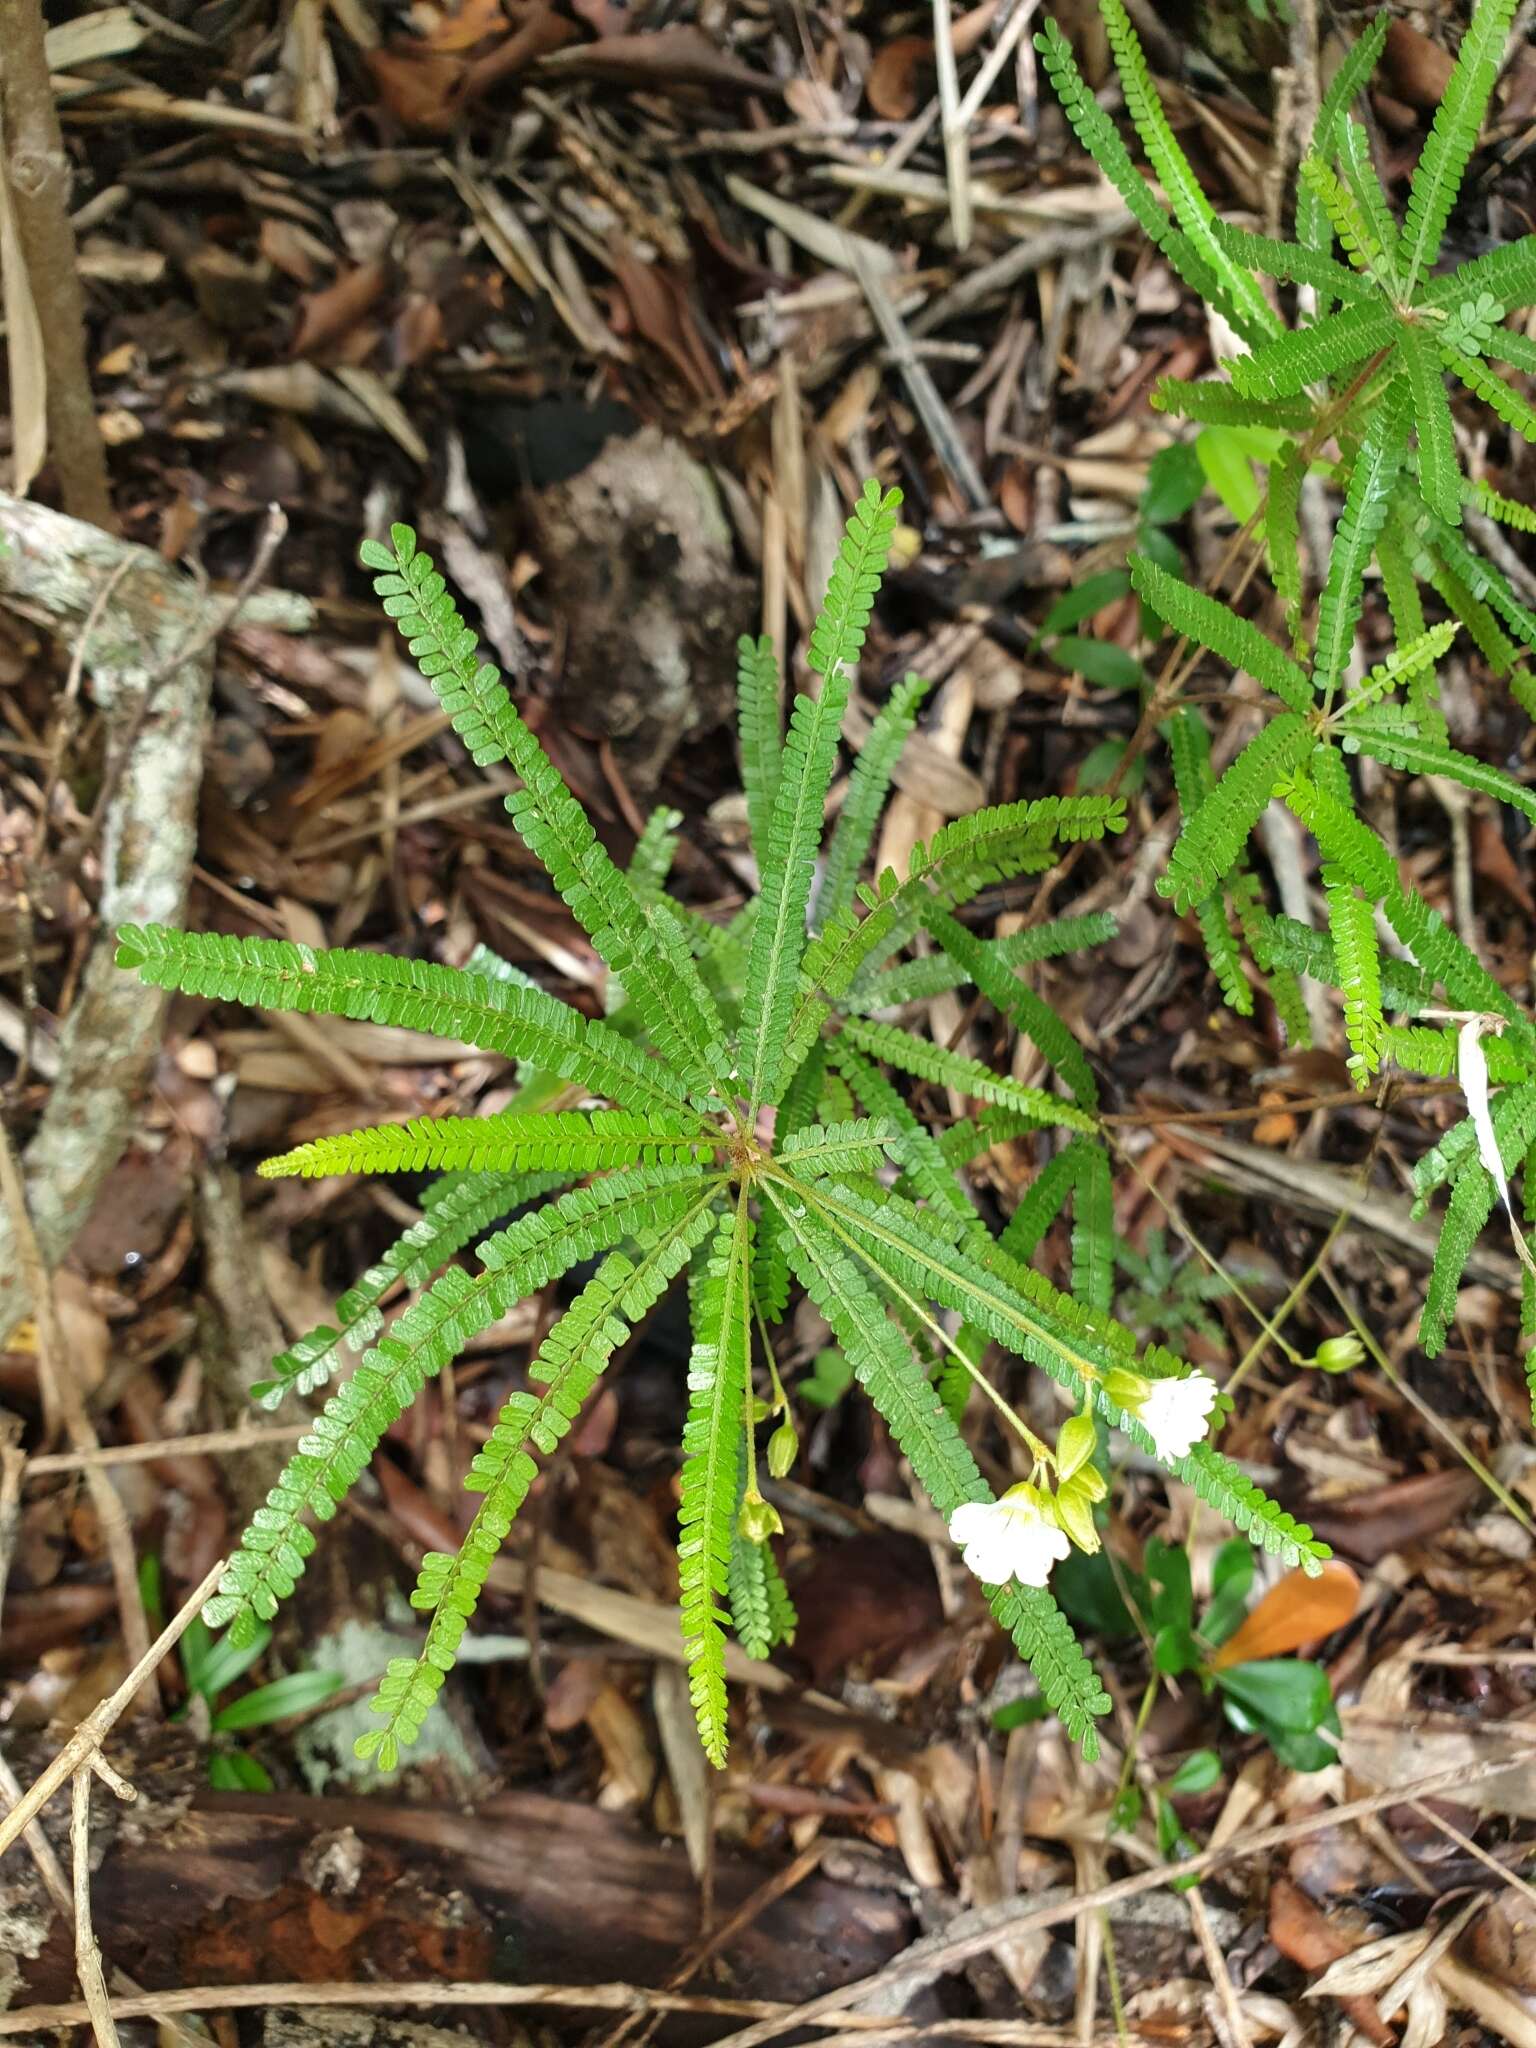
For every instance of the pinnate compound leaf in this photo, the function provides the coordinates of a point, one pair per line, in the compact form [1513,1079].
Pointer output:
[458,1209]
[642,949]
[930,1062]
[1251,312]
[868,787]
[712,1434]
[761,724]
[1352,924]
[1100,137]
[564,1371]
[1217,626]
[635,1202]
[837,638]
[1439,471]
[573,1140]
[1312,225]
[882,1361]
[1213,838]
[1282,368]
[1453,136]
[1366,502]
[418,995]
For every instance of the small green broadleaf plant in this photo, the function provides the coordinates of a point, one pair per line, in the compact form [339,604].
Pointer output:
[1360,368]
[737,1116]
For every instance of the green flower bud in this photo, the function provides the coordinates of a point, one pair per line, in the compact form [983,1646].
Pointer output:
[783,1449]
[1074,1511]
[1089,1480]
[758,1519]
[1125,1388]
[1338,1354]
[1076,1444]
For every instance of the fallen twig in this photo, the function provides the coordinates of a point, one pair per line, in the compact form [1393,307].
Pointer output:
[52,568]
[82,1751]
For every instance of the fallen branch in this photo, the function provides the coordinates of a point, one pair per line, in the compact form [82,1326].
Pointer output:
[52,569]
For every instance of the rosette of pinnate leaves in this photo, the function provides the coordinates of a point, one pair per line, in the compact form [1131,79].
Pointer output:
[1350,387]
[736,1122]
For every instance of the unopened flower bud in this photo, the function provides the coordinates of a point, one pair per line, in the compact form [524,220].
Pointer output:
[1074,1511]
[783,1449]
[1338,1354]
[1075,1445]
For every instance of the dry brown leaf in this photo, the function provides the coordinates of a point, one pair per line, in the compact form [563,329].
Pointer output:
[892,83]
[465,25]
[1372,1524]
[1312,1940]
[679,56]
[422,88]
[1502,1941]
[1417,69]
[326,316]
[662,314]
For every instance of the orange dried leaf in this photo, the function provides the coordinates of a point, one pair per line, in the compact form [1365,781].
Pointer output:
[1298,1610]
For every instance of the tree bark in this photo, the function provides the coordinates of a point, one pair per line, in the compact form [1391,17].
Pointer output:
[38,170]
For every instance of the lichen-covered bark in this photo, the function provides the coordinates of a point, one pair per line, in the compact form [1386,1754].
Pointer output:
[54,568]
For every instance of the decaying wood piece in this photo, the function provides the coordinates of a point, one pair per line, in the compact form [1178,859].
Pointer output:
[197,1886]
[52,569]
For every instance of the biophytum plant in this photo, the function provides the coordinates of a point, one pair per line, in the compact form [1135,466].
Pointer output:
[755,1136]
[1350,391]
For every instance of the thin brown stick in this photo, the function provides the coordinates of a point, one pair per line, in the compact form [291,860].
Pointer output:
[39,174]
[220,1440]
[88,1968]
[1017,1917]
[249,1997]
[63,1400]
[83,1745]
[49,1868]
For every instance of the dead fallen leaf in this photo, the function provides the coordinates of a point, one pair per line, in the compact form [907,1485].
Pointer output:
[1312,1940]
[1297,1610]
[465,25]
[892,85]
[325,317]
[1501,1942]
[539,34]
[681,56]
[1372,1524]
[420,87]
[1417,68]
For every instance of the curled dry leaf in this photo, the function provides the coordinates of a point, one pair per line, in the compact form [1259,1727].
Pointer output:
[1297,1610]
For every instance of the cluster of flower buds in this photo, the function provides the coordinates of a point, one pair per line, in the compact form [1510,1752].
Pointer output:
[1035,1524]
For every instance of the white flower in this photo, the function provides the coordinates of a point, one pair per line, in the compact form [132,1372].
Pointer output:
[1174,1413]
[1016,1537]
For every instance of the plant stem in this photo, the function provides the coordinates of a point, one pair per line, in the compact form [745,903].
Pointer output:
[38,170]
